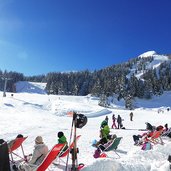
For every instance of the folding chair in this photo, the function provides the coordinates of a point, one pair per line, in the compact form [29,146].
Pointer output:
[114,145]
[65,153]
[55,152]
[156,138]
[17,143]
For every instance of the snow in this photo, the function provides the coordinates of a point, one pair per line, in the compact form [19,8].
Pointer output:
[147,54]
[157,61]
[37,113]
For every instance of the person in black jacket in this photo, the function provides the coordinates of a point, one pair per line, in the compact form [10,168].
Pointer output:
[119,121]
[4,157]
[149,127]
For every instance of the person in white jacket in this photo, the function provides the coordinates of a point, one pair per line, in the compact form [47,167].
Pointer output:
[39,153]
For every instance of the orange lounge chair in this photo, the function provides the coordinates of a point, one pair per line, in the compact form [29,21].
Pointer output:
[156,138]
[16,144]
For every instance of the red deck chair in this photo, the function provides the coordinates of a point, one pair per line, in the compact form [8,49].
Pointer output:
[156,138]
[55,152]
[17,143]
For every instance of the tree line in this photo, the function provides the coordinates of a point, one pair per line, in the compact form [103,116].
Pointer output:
[119,80]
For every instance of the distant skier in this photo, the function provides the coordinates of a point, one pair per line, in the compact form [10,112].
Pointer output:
[119,121]
[107,119]
[131,116]
[113,119]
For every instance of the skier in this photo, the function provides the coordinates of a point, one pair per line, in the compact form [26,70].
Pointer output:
[119,121]
[131,116]
[107,119]
[113,119]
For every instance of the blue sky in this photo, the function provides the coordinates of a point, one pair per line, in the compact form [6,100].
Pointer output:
[41,36]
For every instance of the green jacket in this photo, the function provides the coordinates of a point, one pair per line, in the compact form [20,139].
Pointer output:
[105,131]
[62,140]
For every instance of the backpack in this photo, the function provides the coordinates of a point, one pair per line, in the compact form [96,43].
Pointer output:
[97,153]
[146,146]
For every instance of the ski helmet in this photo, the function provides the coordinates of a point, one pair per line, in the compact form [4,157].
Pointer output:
[81,120]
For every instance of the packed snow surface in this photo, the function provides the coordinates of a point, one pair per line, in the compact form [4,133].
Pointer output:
[37,113]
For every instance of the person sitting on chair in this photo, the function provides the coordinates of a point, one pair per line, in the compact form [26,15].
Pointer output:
[62,140]
[104,134]
[39,153]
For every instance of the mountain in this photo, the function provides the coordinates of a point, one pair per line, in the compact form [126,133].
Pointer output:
[144,76]
[147,61]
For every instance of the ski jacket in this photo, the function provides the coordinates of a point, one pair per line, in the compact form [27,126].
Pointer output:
[39,153]
[119,119]
[105,132]
[62,140]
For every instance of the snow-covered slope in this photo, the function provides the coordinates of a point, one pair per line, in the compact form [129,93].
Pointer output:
[31,114]
[156,62]
[31,87]
[147,54]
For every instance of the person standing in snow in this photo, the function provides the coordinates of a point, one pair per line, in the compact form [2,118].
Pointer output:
[131,116]
[113,119]
[107,119]
[119,121]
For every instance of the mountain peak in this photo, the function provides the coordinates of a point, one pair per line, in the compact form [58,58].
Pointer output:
[147,54]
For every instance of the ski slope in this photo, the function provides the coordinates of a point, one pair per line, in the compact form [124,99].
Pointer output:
[36,113]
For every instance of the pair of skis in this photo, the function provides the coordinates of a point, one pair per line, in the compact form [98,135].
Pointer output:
[78,121]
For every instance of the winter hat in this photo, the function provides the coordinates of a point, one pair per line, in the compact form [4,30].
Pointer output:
[19,136]
[39,140]
[60,134]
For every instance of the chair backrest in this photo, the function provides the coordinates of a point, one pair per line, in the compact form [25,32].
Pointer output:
[65,153]
[156,135]
[17,143]
[55,151]
[114,144]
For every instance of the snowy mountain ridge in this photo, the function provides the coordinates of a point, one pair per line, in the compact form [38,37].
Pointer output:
[143,64]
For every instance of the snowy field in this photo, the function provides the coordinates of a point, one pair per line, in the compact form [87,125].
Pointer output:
[36,113]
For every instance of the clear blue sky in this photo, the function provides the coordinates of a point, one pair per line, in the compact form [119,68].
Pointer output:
[41,36]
